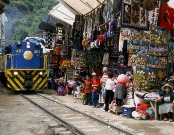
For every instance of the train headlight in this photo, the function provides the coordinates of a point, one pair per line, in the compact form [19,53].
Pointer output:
[15,73]
[28,45]
[28,55]
[18,43]
[40,73]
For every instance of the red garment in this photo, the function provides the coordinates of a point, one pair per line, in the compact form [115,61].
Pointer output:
[123,83]
[87,86]
[166,17]
[95,84]
[101,38]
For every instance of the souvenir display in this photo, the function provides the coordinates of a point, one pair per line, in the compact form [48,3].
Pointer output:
[157,35]
[171,53]
[153,16]
[142,59]
[132,46]
[133,14]
[140,78]
[149,56]
[151,79]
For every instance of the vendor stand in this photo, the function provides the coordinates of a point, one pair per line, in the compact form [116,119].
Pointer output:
[149,58]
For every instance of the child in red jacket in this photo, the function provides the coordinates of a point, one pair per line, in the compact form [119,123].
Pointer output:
[87,89]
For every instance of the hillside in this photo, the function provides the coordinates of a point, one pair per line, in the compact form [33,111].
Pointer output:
[24,17]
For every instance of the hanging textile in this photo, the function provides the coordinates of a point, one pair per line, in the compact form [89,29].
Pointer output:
[105,59]
[166,17]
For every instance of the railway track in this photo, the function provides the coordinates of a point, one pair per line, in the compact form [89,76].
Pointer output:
[75,121]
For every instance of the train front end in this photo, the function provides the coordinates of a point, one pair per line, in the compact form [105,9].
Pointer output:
[25,66]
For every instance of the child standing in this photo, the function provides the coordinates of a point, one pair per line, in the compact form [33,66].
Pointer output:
[87,88]
[95,89]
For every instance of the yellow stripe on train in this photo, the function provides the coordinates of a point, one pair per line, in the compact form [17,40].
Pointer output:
[40,81]
[17,82]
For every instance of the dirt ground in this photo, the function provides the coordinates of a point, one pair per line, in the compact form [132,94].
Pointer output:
[20,118]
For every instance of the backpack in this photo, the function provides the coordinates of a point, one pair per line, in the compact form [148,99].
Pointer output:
[61,91]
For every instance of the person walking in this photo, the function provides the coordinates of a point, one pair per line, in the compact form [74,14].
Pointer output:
[95,89]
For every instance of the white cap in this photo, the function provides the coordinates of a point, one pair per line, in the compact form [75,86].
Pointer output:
[93,73]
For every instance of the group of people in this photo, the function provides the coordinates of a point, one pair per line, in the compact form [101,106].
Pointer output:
[108,88]
[111,89]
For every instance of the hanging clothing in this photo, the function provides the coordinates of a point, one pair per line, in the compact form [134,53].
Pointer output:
[125,54]
[166,17]
[105,59]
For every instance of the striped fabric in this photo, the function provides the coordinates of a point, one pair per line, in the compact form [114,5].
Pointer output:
[104,79]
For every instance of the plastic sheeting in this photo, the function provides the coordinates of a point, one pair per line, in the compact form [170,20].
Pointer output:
[82,6]
[66,10]
[61,14]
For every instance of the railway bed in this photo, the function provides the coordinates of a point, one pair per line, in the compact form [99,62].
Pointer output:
[73,120]
[19,117]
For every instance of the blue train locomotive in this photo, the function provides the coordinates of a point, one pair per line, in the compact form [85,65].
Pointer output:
[24,65]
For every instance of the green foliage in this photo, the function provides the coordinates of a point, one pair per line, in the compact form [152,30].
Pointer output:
[24,17]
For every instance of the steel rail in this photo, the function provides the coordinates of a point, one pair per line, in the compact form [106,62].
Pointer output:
[68,125]
[94,118]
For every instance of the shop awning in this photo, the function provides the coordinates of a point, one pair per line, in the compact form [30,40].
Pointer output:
[61,14]
[82,6]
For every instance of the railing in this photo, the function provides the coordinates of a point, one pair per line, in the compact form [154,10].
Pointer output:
[45,62]
[5,61]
